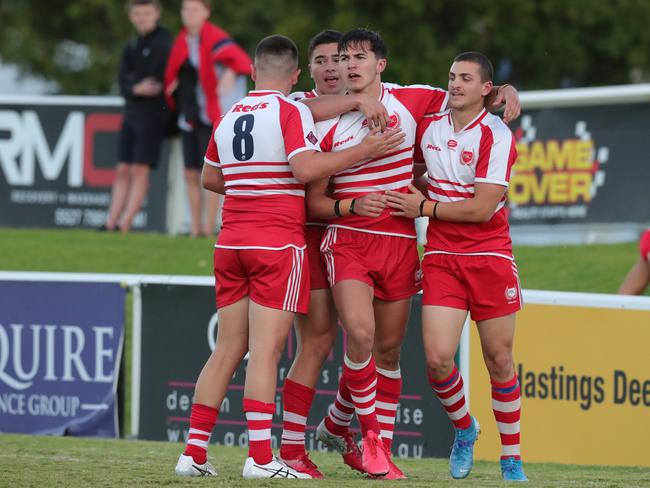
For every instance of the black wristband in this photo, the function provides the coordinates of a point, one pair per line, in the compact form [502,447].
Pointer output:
[337,209]
[435,206]
[424,200]
[352,212]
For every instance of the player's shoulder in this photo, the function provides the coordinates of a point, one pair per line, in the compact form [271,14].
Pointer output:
[302,95]
[395,88]
[496,126]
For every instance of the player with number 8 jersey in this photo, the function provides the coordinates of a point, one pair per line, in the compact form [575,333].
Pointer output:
[261,154]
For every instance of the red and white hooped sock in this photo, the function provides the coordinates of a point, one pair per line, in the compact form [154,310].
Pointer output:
[297,400]
[362,382]
[340,413]
[451,393]
[259,416]
[389,389]
[202,421]
[506,405]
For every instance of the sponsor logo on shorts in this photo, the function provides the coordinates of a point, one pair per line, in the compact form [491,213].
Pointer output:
[511,294]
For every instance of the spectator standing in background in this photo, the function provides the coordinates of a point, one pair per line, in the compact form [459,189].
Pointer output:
[193,86]
[638,277]
[141,76]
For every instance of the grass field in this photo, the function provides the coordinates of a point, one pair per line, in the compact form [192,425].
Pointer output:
[593,268]
[73,462]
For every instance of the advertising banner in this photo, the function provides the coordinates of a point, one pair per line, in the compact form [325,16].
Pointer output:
[585,385]
[581,165]
[60,351]
[57,165]
[179,325]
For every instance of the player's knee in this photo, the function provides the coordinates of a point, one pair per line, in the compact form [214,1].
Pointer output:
[387,358]
[318,348]
[122,172]
[439,364]
[361,336]
[499,363]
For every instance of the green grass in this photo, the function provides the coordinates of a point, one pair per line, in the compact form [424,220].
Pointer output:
[50,461]
[74,462]
[593,268]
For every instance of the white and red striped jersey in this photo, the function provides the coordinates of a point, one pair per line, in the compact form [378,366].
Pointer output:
[406,106]
[321,129]
[482,152]
[252,143]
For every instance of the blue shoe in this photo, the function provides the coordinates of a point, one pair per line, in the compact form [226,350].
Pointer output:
[512,470]
[462,452]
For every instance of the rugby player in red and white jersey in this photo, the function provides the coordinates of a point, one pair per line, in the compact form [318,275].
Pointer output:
[373,261]
[638,278]
[261,153]
[316,331]
[468,263]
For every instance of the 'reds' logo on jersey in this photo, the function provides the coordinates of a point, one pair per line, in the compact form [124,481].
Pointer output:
[240,107]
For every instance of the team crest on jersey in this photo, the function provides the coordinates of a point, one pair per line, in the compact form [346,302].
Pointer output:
[312,138]
[452,144]
[511,294]
[467,157]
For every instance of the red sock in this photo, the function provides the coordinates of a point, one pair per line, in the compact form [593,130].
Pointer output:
[202,421]
[451,394]
[339,414]
[297,400]
[362,382]
[389,388]
[506,405]
[259,416]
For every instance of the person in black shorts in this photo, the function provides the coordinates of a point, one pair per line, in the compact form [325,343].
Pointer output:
[141,77]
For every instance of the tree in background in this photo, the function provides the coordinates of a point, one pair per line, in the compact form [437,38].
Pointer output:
[535,44]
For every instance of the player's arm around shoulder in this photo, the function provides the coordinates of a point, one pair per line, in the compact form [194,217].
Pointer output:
[312,165]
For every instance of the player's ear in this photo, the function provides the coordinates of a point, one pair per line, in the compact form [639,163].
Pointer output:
[487,88]
[253,72]
[381,65]
[295,75]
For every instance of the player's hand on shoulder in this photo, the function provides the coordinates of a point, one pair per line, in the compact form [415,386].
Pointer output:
[370,205]
[374,110]
[377,143]
[509,96]
[405,204]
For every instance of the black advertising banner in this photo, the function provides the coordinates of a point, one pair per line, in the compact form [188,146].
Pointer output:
[179,325]
[581,165]
[57,165]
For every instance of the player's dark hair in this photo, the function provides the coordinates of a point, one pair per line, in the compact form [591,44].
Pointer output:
[276,53]
[364,38]
[135,3]
[328,36]
[485,65]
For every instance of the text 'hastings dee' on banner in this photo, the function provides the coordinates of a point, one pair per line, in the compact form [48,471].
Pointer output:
[60,351]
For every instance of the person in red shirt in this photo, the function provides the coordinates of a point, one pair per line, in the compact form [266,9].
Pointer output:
[638,278]
[468,264]
[262,152]
[193,89]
